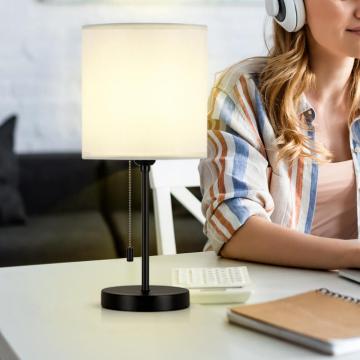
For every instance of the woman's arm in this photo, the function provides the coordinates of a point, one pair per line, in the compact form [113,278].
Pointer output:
[262,241]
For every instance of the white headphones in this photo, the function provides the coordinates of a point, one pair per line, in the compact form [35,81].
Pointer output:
[290,14]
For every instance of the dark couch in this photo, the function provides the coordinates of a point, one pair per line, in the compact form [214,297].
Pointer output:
[78,210]
[63,198]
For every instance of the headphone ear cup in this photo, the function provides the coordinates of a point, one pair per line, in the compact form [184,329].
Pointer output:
[301,14]
[290,14]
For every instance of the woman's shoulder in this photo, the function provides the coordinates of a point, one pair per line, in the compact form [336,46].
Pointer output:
[237,86]
[240,72]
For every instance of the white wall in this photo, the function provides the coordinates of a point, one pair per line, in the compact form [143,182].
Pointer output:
[40,57]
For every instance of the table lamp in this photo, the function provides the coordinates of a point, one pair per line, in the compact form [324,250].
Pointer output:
[144,98]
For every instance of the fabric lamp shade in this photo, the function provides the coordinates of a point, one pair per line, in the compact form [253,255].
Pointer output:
[144,91]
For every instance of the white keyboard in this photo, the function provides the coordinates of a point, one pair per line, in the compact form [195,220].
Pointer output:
[214,284]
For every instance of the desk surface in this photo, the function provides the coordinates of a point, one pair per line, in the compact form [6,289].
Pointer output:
[53,312]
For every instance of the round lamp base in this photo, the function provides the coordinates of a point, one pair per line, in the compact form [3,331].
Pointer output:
[131,298]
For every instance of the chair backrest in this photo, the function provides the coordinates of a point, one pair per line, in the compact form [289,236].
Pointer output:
[172,177]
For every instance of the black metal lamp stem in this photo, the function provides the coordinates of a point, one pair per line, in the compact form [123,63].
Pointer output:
[145,169]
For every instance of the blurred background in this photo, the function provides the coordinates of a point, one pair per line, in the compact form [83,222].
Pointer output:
[40,85]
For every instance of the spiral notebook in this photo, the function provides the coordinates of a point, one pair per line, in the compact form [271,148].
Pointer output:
[323,320]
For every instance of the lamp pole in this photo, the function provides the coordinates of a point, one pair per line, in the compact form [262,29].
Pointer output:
[145,169]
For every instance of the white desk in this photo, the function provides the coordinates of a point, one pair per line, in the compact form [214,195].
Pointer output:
[53,312]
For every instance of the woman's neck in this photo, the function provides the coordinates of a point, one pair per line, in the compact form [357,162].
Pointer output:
[332,74]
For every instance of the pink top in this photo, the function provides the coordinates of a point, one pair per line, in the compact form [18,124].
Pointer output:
[335,212]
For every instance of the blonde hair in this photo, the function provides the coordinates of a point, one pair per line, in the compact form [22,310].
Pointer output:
[283,79]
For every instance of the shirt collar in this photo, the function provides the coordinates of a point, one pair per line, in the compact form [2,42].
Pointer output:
[306,108]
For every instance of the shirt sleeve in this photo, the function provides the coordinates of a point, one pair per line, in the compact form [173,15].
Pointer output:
[233,177]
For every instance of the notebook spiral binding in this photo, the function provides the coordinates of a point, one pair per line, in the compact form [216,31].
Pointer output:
[338,295]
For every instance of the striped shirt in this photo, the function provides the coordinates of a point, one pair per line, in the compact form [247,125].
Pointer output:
[238,179]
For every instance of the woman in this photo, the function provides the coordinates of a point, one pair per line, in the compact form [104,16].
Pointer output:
[272,193]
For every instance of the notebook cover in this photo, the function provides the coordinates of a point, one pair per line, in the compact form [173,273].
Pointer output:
[313,314]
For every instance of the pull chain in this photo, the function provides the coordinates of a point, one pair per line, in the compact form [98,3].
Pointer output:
[130,249]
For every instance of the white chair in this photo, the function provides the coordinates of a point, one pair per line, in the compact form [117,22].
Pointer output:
[171,177]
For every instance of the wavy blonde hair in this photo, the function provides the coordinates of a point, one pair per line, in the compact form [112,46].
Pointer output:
[285,76]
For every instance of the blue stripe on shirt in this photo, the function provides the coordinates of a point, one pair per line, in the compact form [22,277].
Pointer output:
[260,113]
[313,187]
[312,198]
[356,133]
[227,109]
[241,189]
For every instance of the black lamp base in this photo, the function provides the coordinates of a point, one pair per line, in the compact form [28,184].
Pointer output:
[131,298]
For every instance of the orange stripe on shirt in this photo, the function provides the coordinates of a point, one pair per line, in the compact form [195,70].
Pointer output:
[221,184]
[212,195]
[224,222]
[218,230]
[246,92]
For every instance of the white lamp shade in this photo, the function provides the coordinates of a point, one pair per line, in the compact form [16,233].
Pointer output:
[144,91]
